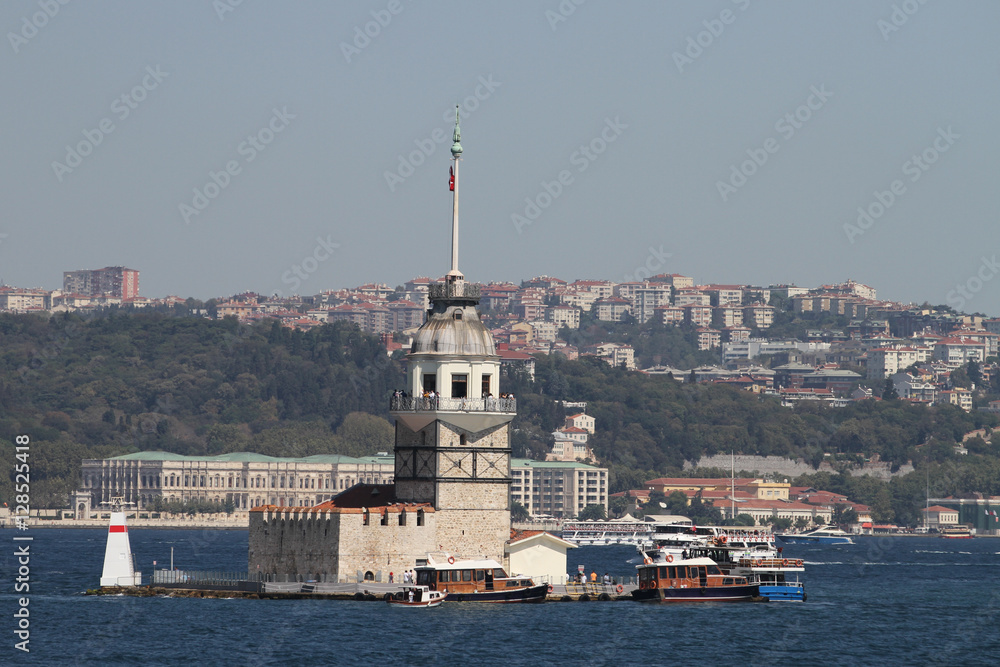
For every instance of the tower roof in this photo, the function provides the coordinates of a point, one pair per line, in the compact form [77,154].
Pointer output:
[453,329]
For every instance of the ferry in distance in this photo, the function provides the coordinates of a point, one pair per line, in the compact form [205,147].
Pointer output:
[627,530]
[823,535]
[959,532]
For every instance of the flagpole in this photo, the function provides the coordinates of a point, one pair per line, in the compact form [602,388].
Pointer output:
[456,154]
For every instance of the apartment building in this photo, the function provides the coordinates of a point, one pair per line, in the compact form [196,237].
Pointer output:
[111,280]
[558,488]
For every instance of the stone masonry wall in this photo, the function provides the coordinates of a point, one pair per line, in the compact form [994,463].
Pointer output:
[335,546]
[778,465]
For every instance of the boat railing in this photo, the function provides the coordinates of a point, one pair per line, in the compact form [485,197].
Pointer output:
[421,404]
[770,562]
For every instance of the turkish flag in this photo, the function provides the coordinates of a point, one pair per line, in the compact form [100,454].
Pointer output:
[451,178]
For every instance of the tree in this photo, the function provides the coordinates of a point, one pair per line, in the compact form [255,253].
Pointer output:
[677,503]
[974,373]
[801,523]
[592,513]
[618,506]
[843,515]
[889,392]
[654,501]
[519,512]
[363,434]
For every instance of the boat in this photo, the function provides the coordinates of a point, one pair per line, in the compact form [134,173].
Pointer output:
[824,535]
[477,580]
[691,580]
[761,564]
[626,530]
[678,539]
[417,596]
[959,532]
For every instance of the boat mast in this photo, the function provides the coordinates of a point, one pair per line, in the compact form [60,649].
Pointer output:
[732,486]
[927,499]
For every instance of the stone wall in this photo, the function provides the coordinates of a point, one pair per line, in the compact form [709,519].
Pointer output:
[782,467]
[337,545]
[474,532]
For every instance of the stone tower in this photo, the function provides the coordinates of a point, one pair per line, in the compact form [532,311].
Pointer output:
[453,449]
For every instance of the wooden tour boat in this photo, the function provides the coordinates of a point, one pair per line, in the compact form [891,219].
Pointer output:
[417,596]
[477,580]
[691,580]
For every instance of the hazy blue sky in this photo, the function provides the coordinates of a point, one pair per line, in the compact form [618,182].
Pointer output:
[833,99]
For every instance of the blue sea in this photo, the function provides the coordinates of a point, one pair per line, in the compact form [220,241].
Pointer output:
[882,601]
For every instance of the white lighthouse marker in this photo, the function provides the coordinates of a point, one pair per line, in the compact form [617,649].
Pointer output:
[119,569]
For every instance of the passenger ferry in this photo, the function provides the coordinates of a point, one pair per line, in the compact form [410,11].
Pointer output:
[959,532]
[479,580]
[678,539]
[605,533]
[824,535]
[691,580]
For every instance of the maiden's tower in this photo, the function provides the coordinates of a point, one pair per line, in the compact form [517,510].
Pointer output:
[452,457]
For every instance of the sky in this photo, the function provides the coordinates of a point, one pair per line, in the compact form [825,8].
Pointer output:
[227,146]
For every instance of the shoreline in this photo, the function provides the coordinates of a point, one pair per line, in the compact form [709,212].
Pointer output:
[132,525]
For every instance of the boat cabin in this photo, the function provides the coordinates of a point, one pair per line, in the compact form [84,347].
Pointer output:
[691,573]
[468,576]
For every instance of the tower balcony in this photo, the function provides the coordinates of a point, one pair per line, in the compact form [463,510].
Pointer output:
[461,290]
[471,414]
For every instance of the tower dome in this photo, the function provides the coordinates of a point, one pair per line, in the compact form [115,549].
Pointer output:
[453,327]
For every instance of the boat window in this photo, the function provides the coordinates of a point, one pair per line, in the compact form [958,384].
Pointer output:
[513,584]
[663,572]
[525,582]
[498,573]
[443,576]
[714,569]
[727,582]
[466,575]
[480,575]
[424,578]
[673,572]
[692,573]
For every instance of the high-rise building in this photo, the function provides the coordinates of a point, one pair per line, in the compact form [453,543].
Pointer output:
[110,281]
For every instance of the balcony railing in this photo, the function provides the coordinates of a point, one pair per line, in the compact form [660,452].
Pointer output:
[420,404]
[453,291]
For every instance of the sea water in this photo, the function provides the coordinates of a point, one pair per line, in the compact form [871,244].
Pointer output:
[881,601]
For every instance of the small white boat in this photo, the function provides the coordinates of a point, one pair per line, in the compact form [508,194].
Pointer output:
[417,596]
[824,535]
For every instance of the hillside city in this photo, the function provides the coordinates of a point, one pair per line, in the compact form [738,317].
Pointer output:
[737,327]
[836,344]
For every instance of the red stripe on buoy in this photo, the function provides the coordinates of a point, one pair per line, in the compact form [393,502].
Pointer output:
[117,529]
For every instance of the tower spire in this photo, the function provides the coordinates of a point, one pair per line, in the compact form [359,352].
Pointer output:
[454,275]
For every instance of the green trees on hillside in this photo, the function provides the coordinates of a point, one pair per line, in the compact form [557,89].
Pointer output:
[122,382]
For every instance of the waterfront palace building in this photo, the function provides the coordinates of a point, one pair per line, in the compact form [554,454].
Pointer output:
[244,479]
[247,480]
